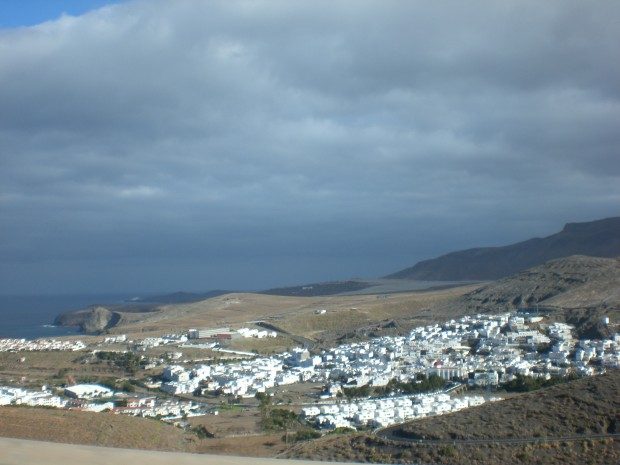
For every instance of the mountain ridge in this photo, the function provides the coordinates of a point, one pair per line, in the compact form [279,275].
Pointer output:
[600,238]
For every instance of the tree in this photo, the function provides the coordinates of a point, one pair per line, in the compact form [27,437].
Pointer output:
[264,399]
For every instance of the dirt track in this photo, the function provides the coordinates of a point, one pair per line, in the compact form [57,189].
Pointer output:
[21,451]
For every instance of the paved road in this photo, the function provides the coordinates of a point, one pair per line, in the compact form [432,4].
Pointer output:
[304,341]
[22,452]
[390,433]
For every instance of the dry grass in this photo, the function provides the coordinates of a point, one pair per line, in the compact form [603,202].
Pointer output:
[233,422]
[103,429]
[294,314]
[44,367]
[585,406]
[107,429]
[264,445]
[262,346]
[363,448]
[37,361]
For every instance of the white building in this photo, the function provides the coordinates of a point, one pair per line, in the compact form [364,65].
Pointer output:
[88,391]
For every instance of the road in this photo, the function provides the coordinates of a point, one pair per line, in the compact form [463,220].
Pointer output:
[304,341]
[22,451]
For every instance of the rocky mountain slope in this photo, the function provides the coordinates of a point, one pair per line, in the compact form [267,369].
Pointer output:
[597,238]
[578,289]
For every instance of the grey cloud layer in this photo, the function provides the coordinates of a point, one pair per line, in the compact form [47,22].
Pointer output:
[204,135]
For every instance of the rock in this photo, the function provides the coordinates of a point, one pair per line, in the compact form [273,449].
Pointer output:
[92,320]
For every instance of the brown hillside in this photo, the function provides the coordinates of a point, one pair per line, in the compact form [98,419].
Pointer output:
[110,430]
[578,289]
[586,406]
[293,314]
[102,429]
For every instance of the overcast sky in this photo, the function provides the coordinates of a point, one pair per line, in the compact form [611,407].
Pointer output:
[192,145]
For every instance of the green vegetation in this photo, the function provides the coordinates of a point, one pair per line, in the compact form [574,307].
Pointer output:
[422,383]
[275,419]
[362,391]
[526,383]
[447,451]
[202,432]
[342,430]
[263,399]
[278,419]
[127,361]
[229,407]
[304,435]
[127,386]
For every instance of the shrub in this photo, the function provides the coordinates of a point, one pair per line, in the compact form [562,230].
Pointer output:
[202,432]
[447,451]
[526,383]
[304,435]
[342,430]
[278,419]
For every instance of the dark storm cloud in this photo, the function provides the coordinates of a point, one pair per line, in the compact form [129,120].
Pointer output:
[163,145]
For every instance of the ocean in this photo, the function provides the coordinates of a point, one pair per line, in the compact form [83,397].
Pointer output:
[31,317]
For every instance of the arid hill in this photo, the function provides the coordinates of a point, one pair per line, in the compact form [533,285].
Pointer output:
[580,290]
[293,314]
[103,429]
[122,431]
[584,407]
[597,239]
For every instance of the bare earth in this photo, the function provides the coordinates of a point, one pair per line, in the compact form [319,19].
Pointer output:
[121,431]
[20,452]
[294,314]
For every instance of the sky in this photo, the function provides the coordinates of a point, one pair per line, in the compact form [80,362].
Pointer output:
[155,146]
[20,13]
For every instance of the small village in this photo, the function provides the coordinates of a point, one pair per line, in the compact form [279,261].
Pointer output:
[481,352]
[19,345]
[95,398]
[506,345]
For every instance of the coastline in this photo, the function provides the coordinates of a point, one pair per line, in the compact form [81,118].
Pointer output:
[32,316]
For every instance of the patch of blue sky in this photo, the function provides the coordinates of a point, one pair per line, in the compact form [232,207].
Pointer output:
[23,13]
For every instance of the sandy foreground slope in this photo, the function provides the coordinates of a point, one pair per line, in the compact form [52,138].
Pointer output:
[22,451]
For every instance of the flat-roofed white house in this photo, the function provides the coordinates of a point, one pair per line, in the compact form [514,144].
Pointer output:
[87,391]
